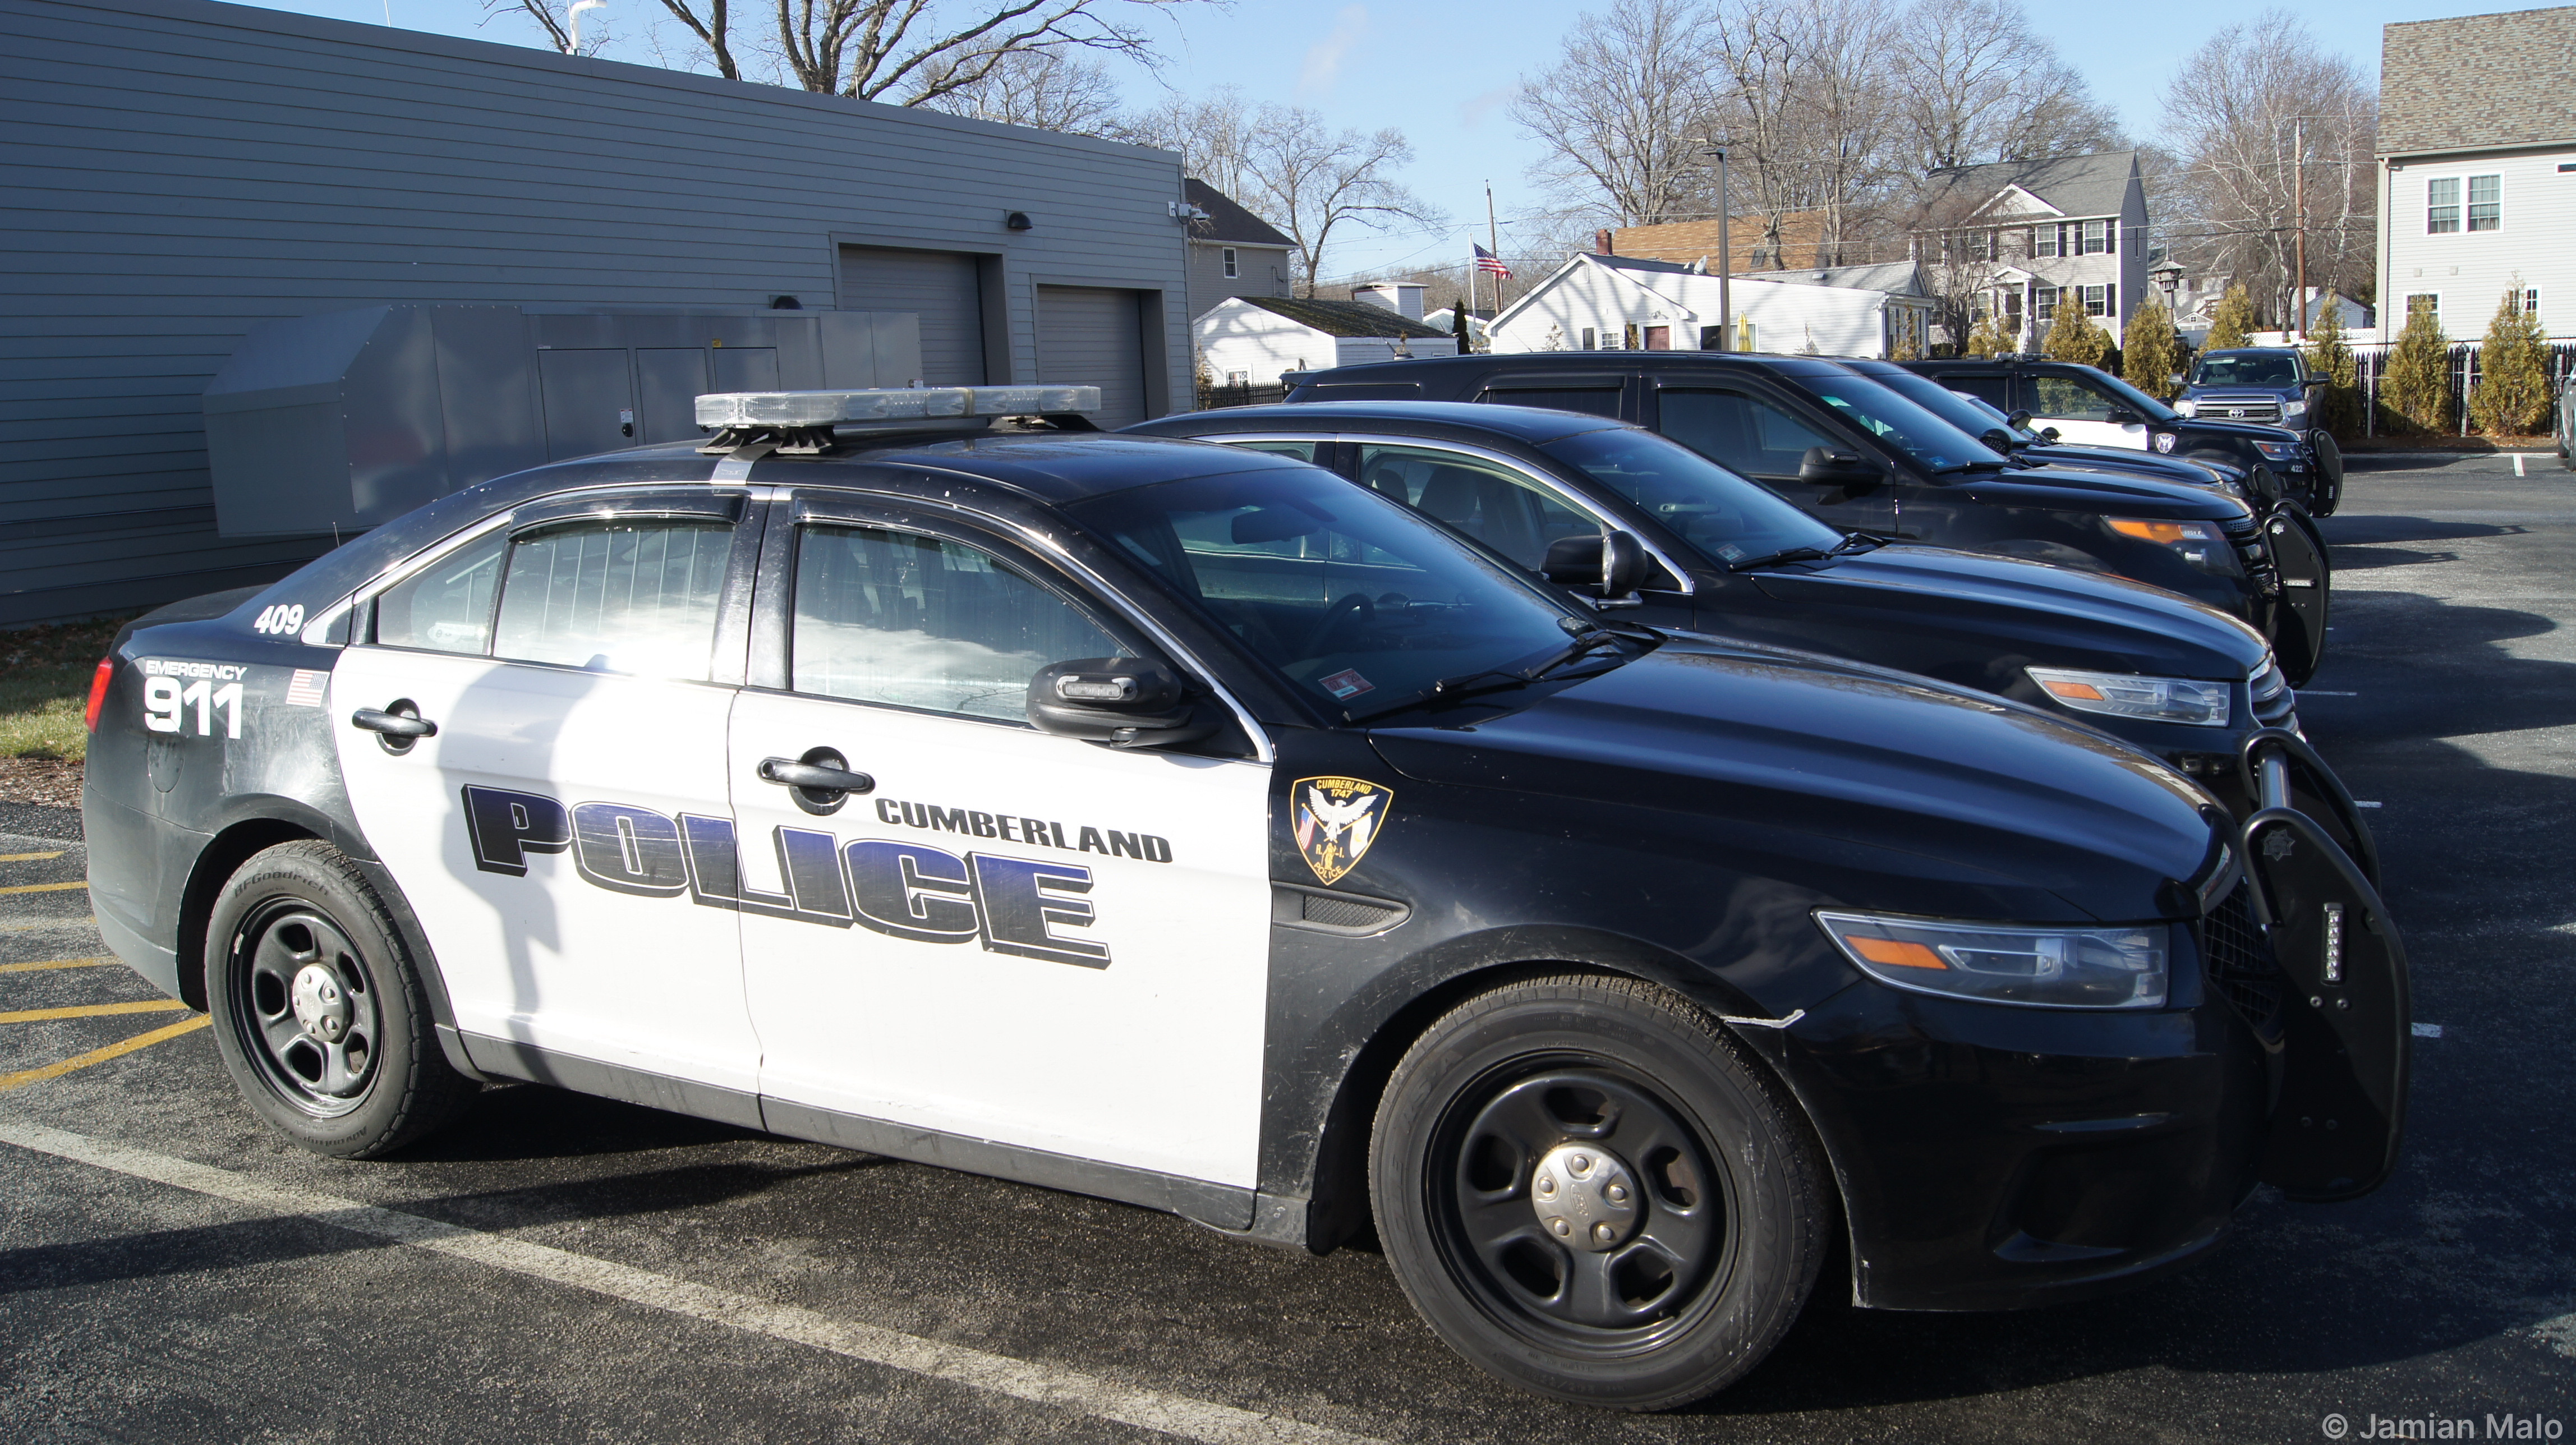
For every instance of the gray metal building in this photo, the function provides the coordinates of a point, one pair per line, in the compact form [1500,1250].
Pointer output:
[174,173]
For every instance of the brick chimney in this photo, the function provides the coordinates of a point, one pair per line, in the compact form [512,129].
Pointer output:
[1601,243]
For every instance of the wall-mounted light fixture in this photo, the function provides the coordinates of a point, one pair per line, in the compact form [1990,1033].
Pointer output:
[1019,221]
[785,303]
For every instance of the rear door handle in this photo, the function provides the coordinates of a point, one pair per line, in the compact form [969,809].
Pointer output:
[814,777]
[393,724]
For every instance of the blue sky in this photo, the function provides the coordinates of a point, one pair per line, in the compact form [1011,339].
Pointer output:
[1440,70]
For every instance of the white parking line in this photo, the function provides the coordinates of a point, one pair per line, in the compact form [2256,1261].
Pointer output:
[1180,1415]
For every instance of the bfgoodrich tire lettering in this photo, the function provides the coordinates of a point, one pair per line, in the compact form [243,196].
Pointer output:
[1588,1189]
[319,1014]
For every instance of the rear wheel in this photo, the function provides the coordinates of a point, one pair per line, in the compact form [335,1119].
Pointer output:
[319,1014]
[1587,1189]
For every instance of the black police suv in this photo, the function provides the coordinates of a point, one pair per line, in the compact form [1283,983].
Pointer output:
[1696,547]
[1862,458]
[1183,825]
[2087,405]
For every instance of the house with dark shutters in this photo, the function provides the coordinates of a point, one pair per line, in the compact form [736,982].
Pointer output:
[1232,251]
[2032,236]
[2477,169]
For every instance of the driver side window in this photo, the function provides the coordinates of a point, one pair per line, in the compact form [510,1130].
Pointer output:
[1739,431]
[2068,399]
[920,622]
[1494,504]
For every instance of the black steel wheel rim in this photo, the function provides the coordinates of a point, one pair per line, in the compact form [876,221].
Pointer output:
[304,1008]
[1605,1301]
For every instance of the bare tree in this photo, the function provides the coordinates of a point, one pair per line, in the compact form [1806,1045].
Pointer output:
[878,49]
[555,18]
[1039,89]
[1973,82]
[1310,181]
[1623,112]
[1213,135]
[2233,114]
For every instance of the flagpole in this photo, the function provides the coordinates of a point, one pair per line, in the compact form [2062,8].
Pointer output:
[1494,240]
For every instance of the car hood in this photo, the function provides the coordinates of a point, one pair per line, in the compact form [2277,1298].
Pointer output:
[2067,489]
[1869,787]
[2030,608]
[2114,459]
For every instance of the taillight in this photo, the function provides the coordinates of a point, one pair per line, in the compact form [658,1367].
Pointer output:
[98,682]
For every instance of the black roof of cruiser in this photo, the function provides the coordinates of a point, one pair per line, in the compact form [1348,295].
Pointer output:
[1521,423]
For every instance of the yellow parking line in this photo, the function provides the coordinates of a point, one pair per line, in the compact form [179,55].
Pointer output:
[42,887]
[57,963]
[29,857]
[44,923]
[92,1011]
[100,1056]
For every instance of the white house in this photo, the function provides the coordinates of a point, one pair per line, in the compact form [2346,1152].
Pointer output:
[2035,235]
[1622,303]
[2477,182]
[1250,340]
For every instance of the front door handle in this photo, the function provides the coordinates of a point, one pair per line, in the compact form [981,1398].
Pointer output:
[393,724]
[815,777]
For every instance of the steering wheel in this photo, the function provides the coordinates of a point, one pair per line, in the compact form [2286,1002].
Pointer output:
[1354,608]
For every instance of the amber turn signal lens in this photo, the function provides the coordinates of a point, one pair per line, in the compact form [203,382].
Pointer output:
[1894,951]
[2166,533]
[98,682]
[2080,691]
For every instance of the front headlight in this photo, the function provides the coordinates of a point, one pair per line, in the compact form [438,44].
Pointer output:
[2201,544]
[2187,407]
[2295,413]
[2123,694]
[2279,451]
[2040,967]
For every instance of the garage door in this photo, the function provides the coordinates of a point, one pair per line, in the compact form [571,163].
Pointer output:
[1093,337]
[939,286]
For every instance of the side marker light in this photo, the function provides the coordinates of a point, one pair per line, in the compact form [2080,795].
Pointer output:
[1896,952]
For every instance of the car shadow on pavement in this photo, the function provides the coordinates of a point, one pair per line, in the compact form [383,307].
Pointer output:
[2364,544]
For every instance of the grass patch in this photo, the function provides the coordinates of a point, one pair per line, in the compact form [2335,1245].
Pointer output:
[44,687]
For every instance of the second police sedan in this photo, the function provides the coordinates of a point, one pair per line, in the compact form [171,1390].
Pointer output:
[1704,549]
[925,774]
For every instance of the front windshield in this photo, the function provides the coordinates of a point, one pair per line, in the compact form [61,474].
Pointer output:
[1972,415]
[1359,602]
[2245,369]
[2130,397]
[1725,516]
[1935,445]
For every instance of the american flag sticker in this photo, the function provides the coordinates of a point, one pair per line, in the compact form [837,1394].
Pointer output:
[305,688]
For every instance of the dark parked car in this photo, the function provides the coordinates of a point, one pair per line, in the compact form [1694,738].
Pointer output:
[2088,405]
[2270,384]
[1858,456]
[1189,827]
[1716,553]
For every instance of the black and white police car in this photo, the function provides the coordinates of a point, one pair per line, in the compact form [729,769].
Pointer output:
[1181,824]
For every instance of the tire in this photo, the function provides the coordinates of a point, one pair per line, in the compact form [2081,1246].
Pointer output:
[1507,1100]
[319,1013]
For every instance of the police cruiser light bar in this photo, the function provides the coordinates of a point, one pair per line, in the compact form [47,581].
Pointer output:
[732,409]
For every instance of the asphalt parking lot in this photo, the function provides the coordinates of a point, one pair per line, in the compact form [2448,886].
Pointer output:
[560,1268]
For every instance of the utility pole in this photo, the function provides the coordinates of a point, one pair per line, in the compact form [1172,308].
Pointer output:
[2299,189]
[1725,252]
[1493,243]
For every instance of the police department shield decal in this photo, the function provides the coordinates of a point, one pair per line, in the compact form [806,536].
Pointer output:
[1336,819]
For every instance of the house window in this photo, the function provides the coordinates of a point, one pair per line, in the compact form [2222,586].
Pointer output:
[2096,303]
[2094,242]
[2424,301]
[2050,240]
[2531,301]
[1590,339]
[1230,272]
[2442,206]
[2044,302]
[2486,202]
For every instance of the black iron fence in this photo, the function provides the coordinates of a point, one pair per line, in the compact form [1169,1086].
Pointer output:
[2371,365]
[1212,395]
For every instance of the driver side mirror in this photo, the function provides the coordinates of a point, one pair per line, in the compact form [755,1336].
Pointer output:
[1615,562]
[2018,419]
[1840,468]
[1125,702]
[1997,440]
[2049,432]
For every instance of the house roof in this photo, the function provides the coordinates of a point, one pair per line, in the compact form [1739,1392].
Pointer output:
[2525,94]
[1343,318]
[1896,278]
[1800,233]
[2094,185]
[1227,223]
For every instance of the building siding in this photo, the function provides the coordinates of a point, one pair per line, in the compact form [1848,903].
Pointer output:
[2470,270]
[174,173]
[1261,271]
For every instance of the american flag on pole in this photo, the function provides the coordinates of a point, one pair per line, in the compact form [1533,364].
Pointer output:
[1491,264]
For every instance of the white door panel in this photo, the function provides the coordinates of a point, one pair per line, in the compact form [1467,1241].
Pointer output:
[593,945]
[2075,431]
[1027,939]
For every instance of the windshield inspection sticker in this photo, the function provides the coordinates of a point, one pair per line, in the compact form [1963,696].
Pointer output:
[1346,683]
[1336,819]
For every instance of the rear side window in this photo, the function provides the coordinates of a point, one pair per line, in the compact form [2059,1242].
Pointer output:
[1986,386]
[1493,504]
[1732,429]
[1593,401]
[1302,451]
[2068,398]
[632,597]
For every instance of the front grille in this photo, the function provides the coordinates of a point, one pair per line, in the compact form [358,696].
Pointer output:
[2240,963]
[2239,408]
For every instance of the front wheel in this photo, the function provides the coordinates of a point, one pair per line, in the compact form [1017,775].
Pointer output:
[319,1014]
[1587,1189]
